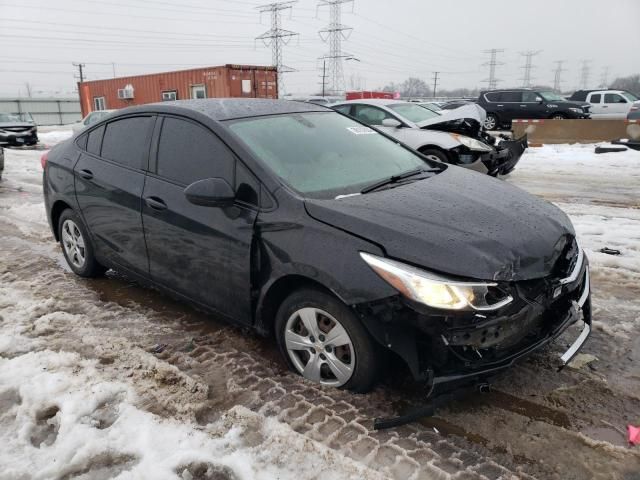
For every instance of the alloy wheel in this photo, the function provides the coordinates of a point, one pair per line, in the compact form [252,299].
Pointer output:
[490,122]
[73,243]
[319,347]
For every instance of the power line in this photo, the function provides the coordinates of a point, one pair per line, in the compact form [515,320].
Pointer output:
[557,73]
[333,34]
[604,77]
[492,81]
[276,37]
[528,66]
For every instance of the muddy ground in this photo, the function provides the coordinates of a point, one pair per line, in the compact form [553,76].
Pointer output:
[535,422]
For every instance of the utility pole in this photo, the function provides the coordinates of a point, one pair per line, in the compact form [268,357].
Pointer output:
[557,74]
[604,78]
[80,67]
[113,68]
[528,66]
[585,73]
[435,83]
[277,37]
[333,34]
[324,76]
[492,63]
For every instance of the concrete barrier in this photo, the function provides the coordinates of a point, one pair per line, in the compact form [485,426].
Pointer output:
[575,131]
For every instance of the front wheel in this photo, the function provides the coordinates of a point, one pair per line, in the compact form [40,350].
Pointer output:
[323,341]
[76,246]
[558,116]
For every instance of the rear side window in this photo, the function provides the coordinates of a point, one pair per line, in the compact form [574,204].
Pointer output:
[595,98]
[511,97]
[493,96]
[188,152]
[94,140]
[126,141]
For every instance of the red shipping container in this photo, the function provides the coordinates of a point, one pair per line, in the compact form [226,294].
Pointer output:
[361,95]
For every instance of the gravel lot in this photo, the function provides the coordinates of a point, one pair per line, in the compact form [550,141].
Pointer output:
[103,378]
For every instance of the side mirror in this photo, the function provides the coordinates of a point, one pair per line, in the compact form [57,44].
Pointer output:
[391,122]
[210,192]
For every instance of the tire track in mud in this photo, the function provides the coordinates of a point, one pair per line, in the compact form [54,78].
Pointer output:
[208,367]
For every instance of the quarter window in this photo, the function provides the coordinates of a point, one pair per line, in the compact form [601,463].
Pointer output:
[493,96]
[99,103]
[345,109]
[126,141]
[188,152]
[94,140]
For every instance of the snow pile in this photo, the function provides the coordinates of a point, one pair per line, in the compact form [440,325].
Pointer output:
[50,138]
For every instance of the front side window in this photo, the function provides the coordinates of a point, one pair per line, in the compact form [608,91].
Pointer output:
[188,152]
[126,141]
[324,154]
[595,98]
[413,112]
[371,115]
[613,98]
[530,97]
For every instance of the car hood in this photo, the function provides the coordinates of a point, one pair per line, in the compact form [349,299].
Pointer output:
[457,222]
[465,120]
[16,125]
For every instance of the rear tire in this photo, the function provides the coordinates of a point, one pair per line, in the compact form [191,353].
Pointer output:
[76,245]
[433,154]
[322,340]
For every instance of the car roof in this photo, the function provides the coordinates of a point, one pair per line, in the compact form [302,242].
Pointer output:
[376,101]
[230,108]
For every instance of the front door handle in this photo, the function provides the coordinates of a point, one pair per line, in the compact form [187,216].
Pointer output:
[155,203]
[88,174]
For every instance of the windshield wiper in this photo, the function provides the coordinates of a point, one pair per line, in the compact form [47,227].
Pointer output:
[396,178]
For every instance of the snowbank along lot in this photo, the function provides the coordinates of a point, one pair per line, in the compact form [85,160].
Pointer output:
[85,391]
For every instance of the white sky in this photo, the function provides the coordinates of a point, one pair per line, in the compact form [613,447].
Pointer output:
[39,39]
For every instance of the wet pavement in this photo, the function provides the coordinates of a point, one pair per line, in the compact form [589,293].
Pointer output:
[535,422]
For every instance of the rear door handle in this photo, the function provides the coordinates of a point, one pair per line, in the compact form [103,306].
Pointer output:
[523,106]
[86,174]
[155,203]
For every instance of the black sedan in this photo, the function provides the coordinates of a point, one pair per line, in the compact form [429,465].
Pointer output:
[302,223]
[17,130]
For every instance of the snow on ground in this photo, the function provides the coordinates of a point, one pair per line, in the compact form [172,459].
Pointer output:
[49,136]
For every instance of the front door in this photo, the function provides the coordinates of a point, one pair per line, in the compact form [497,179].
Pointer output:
[595,99]
[109,179]
[201,252]
[615,105]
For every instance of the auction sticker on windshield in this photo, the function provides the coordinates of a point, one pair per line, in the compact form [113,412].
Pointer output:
[361,130]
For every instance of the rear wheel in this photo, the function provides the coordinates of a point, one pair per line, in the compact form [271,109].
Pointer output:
[76,245]
[491,122]
[323,341]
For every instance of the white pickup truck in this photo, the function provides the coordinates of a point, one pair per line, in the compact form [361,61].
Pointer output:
[608,103]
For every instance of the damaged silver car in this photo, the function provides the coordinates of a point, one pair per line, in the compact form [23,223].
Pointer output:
[453,136]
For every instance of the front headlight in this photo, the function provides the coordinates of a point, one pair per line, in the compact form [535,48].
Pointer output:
[437,291]
[472,143]
[576,110]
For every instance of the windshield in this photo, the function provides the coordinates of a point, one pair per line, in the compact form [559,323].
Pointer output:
[630,96]
[413,112]
[15,117]
[552,96]
[324,154]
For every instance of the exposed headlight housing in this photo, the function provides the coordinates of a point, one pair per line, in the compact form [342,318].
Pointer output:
[435,290]
[472,143]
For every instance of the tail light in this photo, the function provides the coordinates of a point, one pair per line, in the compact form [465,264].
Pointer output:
[43,159]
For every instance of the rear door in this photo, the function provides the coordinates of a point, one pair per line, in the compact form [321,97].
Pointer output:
[201,252]
[512,108]
[109,178]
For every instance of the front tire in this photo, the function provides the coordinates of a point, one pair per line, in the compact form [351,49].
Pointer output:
[322,340]
[558,116]
[76,245]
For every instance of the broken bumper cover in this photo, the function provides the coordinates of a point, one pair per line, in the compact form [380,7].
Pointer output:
[506,156]
[580,310]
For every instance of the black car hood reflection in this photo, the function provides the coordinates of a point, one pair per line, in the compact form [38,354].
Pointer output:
[456,222]
[465,120]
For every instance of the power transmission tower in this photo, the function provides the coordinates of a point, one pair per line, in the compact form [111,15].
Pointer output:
[80,67]
[604,78]
[557,75]
[585,74]
[528,66]
[435,83]
[333,34]
[277,37]
[492,80]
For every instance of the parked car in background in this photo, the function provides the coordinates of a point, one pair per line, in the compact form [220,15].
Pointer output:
[298,222]
[503,106]
[18,129]
[634,113]
[455,136]
[608,103]
[453,104]
[90,119]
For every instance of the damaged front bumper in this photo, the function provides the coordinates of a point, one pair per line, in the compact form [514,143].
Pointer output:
[18,138]
[506,156]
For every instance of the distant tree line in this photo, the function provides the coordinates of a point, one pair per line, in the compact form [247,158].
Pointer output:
[631,83]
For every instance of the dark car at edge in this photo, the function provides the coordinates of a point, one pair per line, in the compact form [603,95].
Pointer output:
[298,222]
[17,130]
[504,106]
